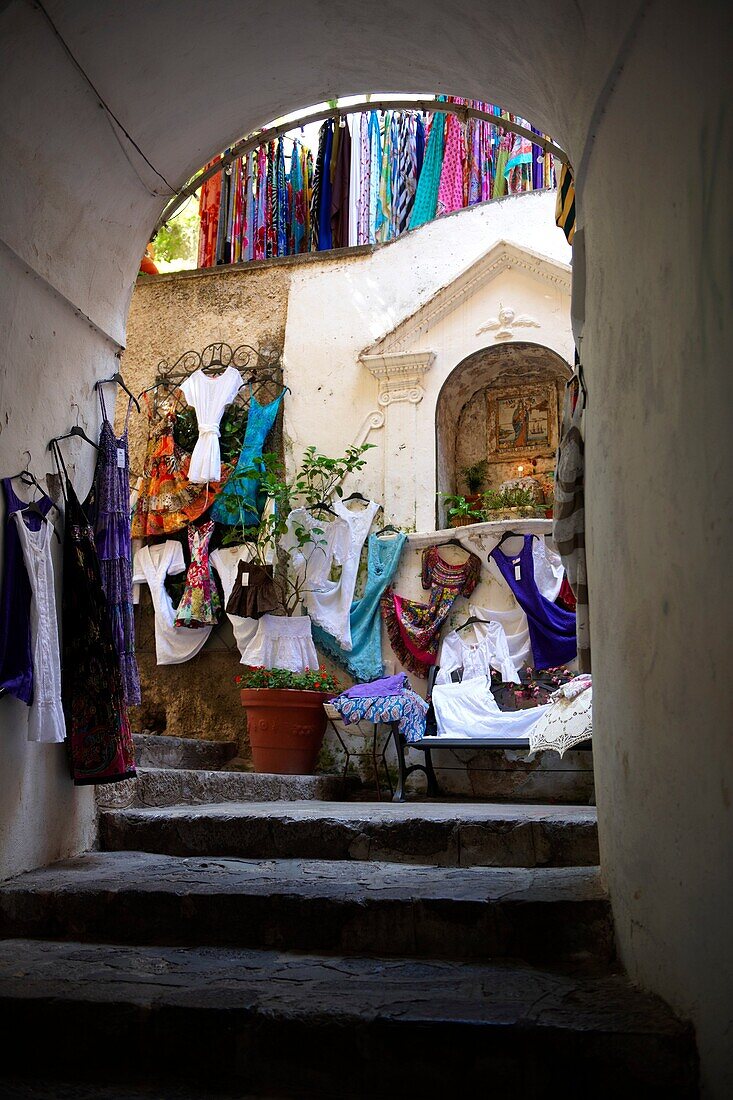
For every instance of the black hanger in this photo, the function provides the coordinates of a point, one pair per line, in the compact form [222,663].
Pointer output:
[455,542]
[389,527]
[117,377]
[471,620]
[76,430]
[508,535]
[34,510]
[357,496]
[321,506]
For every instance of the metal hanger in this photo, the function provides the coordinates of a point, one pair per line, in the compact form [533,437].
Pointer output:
[76,430]
[117,377]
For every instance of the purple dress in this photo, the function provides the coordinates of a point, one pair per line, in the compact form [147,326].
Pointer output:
[108,509]
[551,628]
[16,659]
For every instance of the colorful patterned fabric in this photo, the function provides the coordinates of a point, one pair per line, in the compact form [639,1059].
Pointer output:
[97,726]
[384,201]
[565,208]
[200,603]
[450,187]
[108,509]
[167,501]
[281,201]
[209,199]
[414,628]
[408,709]
[426,197]
[364,179]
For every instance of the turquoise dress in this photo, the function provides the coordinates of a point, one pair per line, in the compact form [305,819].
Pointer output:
[426,196]
[239,503]
[364,660]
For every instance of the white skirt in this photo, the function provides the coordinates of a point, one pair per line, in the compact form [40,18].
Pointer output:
[468,709]
[282,641]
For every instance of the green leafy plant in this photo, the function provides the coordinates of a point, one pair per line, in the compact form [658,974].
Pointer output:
[313,679]
[317,479]
[475,476]
[495,500]
[458,507]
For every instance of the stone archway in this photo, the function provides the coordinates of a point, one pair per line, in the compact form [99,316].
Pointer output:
[465,431]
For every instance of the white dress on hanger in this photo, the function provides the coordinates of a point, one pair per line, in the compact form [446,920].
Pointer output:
[209,396]
[476,651]
[226,562]
[313,565]
[469,709]
[516,630]
[282,641]
[151,565]
[330,606]
[46,717]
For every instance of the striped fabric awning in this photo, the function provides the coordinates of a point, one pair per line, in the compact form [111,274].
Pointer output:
[565,209]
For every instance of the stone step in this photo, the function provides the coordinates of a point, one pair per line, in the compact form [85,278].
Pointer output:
[328,1026]
[541,915]
[507,775]
[154,750]
[182,786]
[435,834]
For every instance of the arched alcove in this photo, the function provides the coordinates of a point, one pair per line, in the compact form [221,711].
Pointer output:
[481,393]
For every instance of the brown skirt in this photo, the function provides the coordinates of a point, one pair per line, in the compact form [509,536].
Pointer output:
[254,593]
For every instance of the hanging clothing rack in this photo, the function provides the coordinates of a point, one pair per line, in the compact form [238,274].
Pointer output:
[253,141]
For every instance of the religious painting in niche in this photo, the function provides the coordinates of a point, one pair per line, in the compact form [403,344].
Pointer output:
[522,422]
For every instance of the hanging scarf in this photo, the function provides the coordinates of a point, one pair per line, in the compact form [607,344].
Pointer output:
[340,192]
[281,201]
[324,198]
[426,196]
[384,201]
[450,187]
[316,190]
[407,172]
[364,180]
[375,164]
[297,201]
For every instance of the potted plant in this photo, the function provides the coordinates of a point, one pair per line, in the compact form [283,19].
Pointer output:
[462,511]
[509,502]
[285,716]
[475,478]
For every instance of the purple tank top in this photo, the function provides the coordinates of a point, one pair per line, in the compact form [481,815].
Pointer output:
[16,661]
[551,628]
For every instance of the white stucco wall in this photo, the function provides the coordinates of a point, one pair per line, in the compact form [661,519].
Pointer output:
[338,310]
[639,95]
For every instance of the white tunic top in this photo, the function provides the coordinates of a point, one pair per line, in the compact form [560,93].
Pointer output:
[476,650]
[209,396]
[152,564]
[46,717]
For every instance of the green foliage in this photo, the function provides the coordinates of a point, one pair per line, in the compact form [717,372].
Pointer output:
[232,428]
[317,479]
[475,476]
[494,501]
[318,679]
[458,506]
[178,240]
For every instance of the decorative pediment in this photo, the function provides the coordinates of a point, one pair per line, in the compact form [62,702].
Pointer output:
[503,256]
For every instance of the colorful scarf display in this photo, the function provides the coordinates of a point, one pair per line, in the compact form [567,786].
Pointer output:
[374,177]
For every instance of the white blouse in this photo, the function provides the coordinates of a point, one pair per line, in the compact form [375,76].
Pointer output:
[46,718]
[476,651]
[209,396]
[152,564]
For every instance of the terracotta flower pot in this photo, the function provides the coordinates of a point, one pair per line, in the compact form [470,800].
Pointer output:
[285,728]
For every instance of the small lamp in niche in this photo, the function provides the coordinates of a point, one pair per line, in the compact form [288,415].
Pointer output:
[520,471]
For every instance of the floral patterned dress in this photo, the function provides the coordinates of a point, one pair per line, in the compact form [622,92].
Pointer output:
[414,628]
[167,501]
[200,603]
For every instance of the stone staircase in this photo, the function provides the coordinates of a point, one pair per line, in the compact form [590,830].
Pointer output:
[308,947]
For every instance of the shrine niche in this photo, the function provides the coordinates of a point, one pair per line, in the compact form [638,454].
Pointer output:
[500,409]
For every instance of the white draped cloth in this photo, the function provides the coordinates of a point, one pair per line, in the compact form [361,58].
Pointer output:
[469,709]
[151,564]
[209,396]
